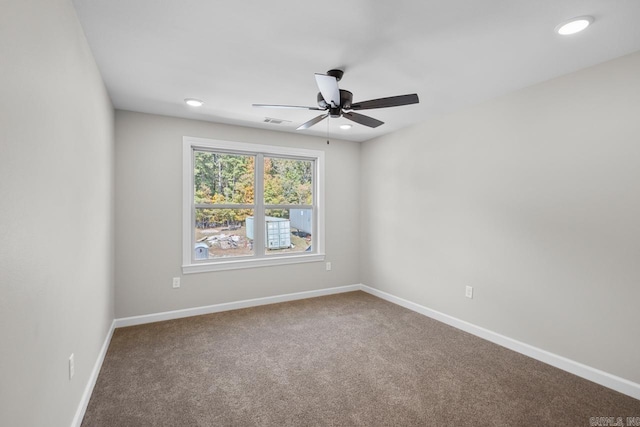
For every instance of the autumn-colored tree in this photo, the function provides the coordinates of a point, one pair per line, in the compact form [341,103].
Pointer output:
[221,178]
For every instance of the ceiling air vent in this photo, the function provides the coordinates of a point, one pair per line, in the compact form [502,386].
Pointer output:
[275,121]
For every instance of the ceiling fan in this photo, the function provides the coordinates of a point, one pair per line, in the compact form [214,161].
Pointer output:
[339,102]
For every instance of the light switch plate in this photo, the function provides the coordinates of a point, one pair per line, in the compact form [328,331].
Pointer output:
[468,292]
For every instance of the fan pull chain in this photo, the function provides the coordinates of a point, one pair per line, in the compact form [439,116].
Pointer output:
[328,118]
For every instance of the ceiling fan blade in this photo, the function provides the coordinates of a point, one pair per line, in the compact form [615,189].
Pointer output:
[328,86]
[362,119]
[392,101]
[287,106]
[312,122]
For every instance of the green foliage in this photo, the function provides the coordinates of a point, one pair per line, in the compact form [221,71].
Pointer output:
[227,175]
[221,178]
[288,181]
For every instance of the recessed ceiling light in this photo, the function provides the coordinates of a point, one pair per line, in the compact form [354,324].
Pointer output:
[193,102]
[345,127]
[574,25]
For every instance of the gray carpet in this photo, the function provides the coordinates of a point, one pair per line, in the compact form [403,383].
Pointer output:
[340,360]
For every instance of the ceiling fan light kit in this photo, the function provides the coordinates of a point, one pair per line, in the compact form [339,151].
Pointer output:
[338,102]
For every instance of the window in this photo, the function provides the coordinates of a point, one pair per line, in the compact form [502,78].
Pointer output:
[249,205]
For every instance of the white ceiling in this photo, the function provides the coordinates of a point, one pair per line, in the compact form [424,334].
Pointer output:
[154,53]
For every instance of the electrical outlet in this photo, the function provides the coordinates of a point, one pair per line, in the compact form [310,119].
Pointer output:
[468,292]
[176,282]
[72,367]
[328,266]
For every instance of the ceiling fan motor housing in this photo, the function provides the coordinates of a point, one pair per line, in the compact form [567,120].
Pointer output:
[346,98]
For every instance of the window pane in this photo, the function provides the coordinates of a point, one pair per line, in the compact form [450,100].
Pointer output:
[221,233]
[288,181]
[223,178]
[288,230]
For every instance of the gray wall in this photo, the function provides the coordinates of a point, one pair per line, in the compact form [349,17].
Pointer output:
[149,219]
[534,200]
[56,212]
[531,198]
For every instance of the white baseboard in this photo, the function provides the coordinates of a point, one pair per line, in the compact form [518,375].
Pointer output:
[197,311]
[86,395]
[592,374]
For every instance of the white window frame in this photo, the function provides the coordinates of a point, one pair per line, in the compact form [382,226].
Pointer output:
[189,265]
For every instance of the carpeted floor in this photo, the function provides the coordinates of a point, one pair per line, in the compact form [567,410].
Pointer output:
[340,360]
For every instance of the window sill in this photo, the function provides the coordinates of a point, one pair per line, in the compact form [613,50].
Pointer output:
[250,263]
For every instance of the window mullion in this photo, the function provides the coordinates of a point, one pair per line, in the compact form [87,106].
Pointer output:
[285,206]
[259,224]
[223,206]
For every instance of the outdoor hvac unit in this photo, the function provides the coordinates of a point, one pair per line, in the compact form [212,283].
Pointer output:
[277,232]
